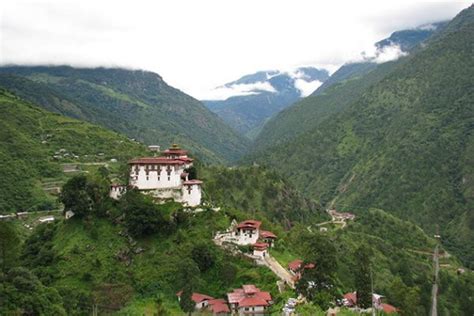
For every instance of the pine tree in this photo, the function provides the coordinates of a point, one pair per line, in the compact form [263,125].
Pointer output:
[362,276]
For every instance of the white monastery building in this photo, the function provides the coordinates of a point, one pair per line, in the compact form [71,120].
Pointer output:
[165,177]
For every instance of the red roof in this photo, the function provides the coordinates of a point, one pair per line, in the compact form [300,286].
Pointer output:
[264,295]
[185,159]
[252,301]
[387,308]
[351,298]
[260,246]
[156,161]
[250,223]
[191,182]
[267,234]
[217,301]
[219,308]
[250,289]
[295,264]
[235,297]
[197,297]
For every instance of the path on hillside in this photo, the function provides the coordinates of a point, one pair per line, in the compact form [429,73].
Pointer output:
[279,270]
[434,290]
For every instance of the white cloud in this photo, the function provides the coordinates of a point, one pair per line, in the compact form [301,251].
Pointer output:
[198,45]
[381,55]
[227,91]
[307,87]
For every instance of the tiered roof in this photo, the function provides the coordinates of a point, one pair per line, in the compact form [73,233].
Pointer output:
[249,224]
[249,295]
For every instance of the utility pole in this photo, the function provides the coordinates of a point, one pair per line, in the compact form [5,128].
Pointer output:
[372,291]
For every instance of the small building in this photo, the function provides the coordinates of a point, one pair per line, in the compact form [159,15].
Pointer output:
[218,307]
[155,148]
[268,237]
[260,249]
[296,268]
[201,300]
[248,232]
[117,190]
[249,300]
[68,214]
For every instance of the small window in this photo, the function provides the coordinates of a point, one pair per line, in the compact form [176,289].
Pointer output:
[147,177]
[169,179]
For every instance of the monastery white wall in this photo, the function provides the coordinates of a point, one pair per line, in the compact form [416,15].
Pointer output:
[192,198]
[157,177]
[260,253]
[247,237]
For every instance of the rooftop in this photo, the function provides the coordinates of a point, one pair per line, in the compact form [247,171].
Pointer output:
[250,223]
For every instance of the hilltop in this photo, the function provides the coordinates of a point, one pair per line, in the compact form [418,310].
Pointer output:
[136,103]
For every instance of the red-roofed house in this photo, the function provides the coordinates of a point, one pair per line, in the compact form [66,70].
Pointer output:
[260,249]
[296,267]
[165,177]
[268,237]
[248,232]
[218,307]
[249,300]
[201,300]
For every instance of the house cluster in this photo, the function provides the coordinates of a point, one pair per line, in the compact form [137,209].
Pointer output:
[164,177]
[248,300]
[248,232]
[341,216]
[350,300]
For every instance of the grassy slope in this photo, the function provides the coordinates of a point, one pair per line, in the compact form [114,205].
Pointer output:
[136,103]
[403,145]
[30,136]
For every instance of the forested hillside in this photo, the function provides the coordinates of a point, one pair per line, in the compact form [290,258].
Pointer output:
[136,103]
[30,138]
[344,86]
[403,146]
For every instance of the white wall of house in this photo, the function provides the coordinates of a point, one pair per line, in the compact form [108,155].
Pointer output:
[117,191]
[260,253]
[192,194]
[157,177]
[247,237]
[254,310]
[201,305]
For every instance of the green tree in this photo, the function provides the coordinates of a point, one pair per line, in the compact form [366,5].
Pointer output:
[363,256]
[185,302]
[21,293]
[203,256]
[317,284]
[142,216]
[75,197]
[9,246]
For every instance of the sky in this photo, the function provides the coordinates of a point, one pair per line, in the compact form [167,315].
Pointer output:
[197,45]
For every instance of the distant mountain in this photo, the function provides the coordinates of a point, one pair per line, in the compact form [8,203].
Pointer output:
[399,43]
[344,86]
[405,144]
[136,103]
[30,139]
[254,98]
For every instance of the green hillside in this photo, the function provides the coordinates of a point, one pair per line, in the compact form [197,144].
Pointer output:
[404,146]
[30,138]
[311,111]
[136,103]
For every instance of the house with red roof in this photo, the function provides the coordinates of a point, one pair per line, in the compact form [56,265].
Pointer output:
[165,176]
[218,307]
[201,300]
[260,249]
[350,300]
[249,300]
[296,268]
[268,237]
